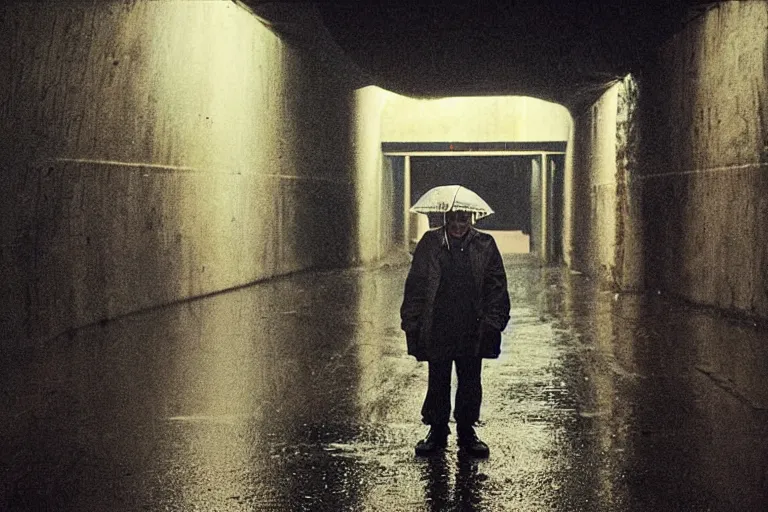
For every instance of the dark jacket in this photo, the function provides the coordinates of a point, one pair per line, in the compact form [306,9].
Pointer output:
[489,294]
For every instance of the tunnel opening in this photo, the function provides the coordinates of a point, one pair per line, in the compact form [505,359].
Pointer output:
[509,150]
[528,206]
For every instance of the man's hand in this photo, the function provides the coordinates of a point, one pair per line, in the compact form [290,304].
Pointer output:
[412,338]
[489,339]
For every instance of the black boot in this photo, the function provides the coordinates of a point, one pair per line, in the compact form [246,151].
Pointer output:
[470,444]
[436,440]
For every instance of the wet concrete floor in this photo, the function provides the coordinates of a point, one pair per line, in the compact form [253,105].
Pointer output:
[297,395]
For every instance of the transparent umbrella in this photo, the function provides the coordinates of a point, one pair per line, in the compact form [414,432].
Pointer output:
[446,198]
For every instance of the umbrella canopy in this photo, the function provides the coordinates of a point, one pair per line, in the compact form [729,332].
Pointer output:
[447,198]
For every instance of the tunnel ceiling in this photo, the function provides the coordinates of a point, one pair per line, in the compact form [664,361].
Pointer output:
[562,51]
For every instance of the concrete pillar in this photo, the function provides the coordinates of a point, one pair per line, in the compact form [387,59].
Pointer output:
[593,188]
[545,220]
[407,215]
[537,206]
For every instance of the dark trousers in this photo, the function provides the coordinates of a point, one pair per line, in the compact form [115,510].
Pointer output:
[469,393]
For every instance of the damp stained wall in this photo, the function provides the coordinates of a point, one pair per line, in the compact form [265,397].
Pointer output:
[668,175]
[704,155]
[152,152]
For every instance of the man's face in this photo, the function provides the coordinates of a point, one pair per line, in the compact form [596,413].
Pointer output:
[457,223]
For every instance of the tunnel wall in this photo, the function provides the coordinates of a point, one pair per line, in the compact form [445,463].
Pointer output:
[704,148]
[152,152]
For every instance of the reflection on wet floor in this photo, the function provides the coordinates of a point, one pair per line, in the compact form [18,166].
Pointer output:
[297,394]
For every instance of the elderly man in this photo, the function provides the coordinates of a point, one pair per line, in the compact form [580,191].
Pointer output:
[455,306]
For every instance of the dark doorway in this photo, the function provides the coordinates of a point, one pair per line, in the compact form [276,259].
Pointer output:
[503,181]
[395,166]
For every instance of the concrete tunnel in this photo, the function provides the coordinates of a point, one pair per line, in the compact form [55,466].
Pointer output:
[156,152]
